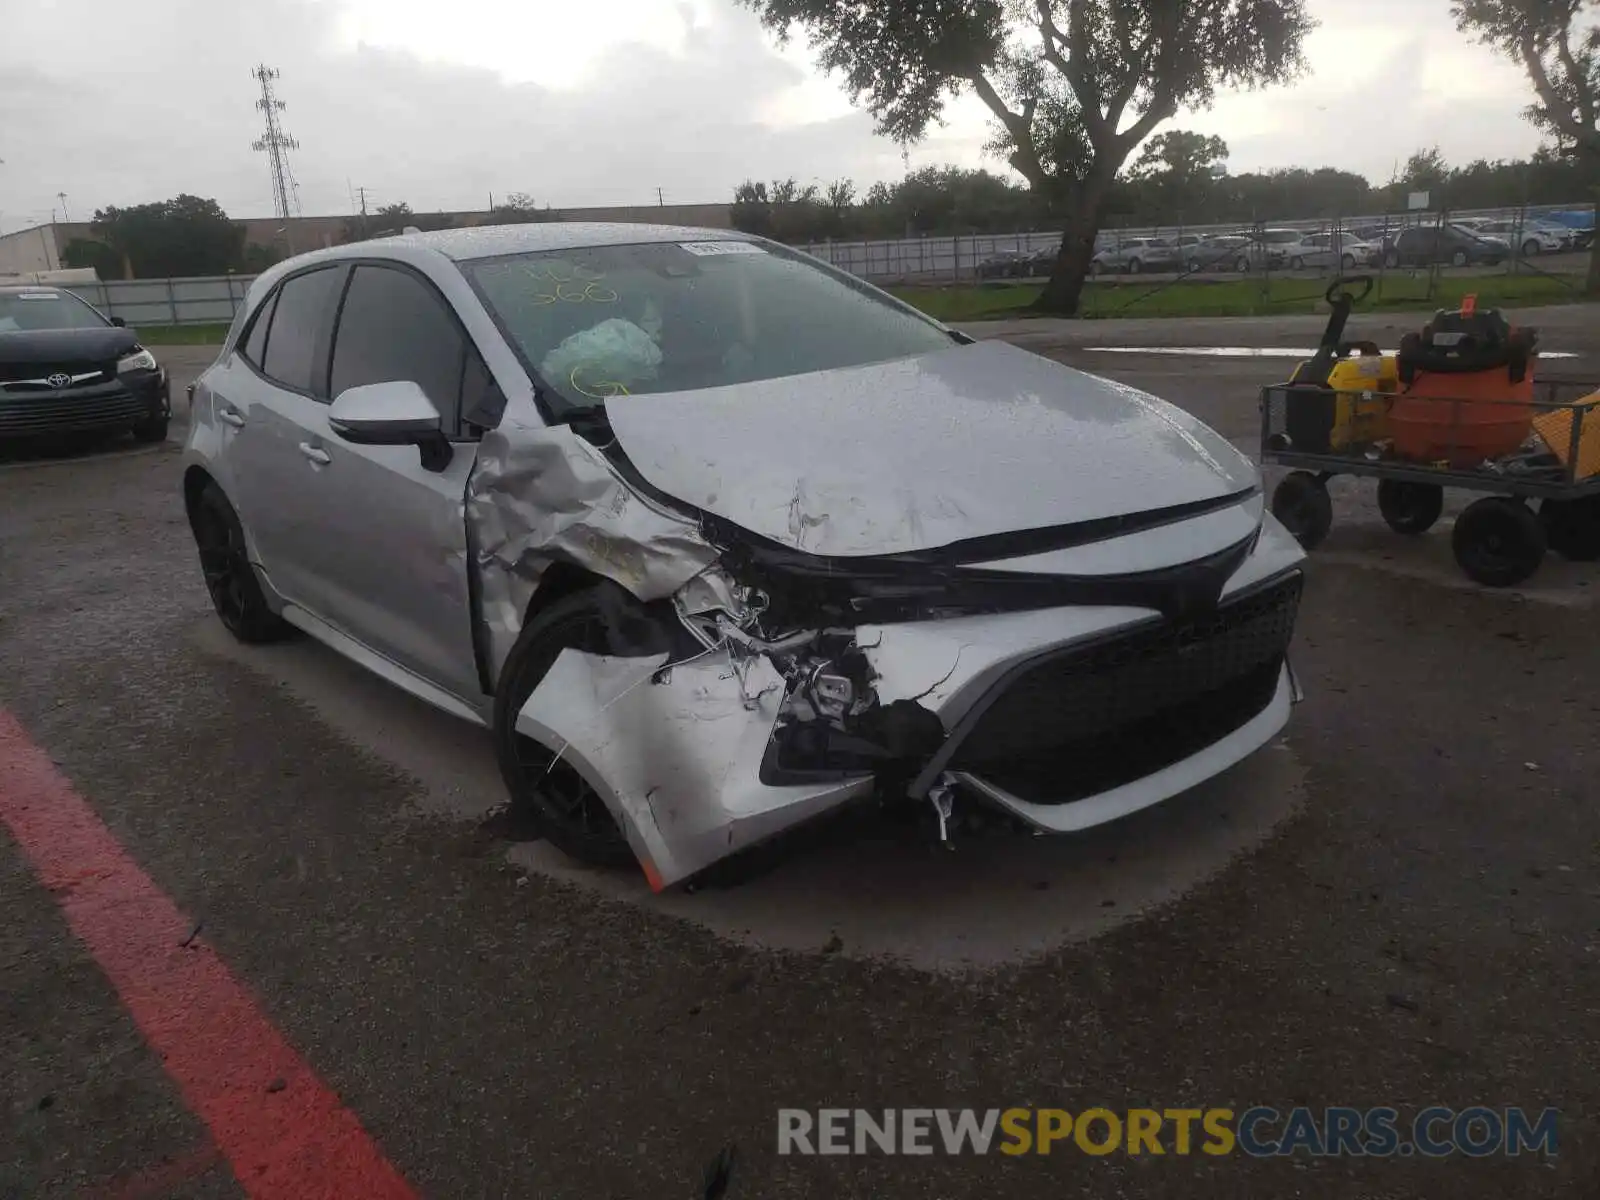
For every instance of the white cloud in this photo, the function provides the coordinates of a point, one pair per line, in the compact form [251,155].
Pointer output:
[601,102]
[553,44]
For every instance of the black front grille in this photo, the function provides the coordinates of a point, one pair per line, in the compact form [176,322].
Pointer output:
[72,410]
[12,373]
[1085,720]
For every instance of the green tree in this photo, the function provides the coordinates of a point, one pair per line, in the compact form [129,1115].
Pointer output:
[1558,44]
[785,210]
[182,236]
[1294,192]
[1178,170]
[1427,171]
[837,200]
[97,256]
[520,208]
[752,208]
[957,200]
[1075,86]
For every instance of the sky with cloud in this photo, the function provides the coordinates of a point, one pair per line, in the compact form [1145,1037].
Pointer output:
[602,102]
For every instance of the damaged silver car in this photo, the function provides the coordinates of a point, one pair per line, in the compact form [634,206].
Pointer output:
[717,539]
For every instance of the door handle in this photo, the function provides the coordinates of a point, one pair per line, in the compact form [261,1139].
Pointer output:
[316,454]
[229,417]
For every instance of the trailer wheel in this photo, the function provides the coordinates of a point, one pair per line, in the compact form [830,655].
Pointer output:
[1498,541]
[1410,508]
[1302,504]
[1573,527]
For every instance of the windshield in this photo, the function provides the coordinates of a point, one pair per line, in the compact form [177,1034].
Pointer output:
[604,321]
[23,311]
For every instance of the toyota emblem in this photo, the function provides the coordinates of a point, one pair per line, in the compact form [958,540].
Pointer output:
[58,380]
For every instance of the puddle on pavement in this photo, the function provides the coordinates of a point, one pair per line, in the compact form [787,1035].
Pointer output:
[885,892]
[1244,351]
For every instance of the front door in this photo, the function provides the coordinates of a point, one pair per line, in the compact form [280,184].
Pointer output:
[393,564]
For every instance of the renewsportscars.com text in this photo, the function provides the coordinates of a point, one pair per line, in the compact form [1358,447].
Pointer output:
[1435,1132]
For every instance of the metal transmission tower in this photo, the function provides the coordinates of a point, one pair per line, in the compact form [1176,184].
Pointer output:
[275,142]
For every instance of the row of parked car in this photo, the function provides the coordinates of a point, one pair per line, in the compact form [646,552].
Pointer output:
[1463,243]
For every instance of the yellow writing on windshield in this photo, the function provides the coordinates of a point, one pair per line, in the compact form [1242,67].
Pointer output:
[597,389]
[567,283]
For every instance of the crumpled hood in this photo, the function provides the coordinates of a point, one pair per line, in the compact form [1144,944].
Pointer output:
[919,453]
[56,346]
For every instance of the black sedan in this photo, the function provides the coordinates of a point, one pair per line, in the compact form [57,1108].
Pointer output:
[67,370]
[1422,246]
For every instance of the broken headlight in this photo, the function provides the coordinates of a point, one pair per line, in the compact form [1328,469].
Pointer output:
[832,724]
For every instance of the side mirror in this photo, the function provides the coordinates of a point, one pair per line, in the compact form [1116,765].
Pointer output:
[119,322]
[392,414]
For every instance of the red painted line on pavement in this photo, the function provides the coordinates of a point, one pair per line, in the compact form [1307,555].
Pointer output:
[282,1130]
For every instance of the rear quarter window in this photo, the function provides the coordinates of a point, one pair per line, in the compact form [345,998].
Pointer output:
[299,325]
[255,341]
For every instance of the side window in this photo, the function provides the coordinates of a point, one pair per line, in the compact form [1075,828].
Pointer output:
[298,323]
[482,401]
[394,327]
[255,343]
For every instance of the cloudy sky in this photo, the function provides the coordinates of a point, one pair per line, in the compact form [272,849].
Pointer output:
[600,102]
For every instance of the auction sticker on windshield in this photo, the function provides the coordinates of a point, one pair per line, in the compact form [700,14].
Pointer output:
[707,248]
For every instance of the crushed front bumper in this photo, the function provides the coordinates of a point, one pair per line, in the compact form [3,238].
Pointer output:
[1064,718]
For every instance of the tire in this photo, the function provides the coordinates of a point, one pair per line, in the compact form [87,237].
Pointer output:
[1572,528]
[1135,267]
[1410,508]
[153,430]
[1498,541]
[1530,249]
[231,582]
[1297,264]
[1095,270]
[1460,259]
[1302,504]
[1348,262]
[546,792]
[1194,266]
[1391,260]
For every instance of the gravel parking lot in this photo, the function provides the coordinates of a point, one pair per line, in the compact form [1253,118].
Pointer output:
[1399,905]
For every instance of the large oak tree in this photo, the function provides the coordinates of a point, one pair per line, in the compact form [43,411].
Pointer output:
[1558,44]
[1075,86]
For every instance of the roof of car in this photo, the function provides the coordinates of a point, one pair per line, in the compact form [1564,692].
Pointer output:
[489,241]
[12,289]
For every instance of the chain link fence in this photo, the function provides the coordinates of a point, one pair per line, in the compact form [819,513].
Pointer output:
[1298,247]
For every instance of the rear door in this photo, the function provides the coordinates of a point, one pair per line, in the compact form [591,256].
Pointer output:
[279,416]
[392,566]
